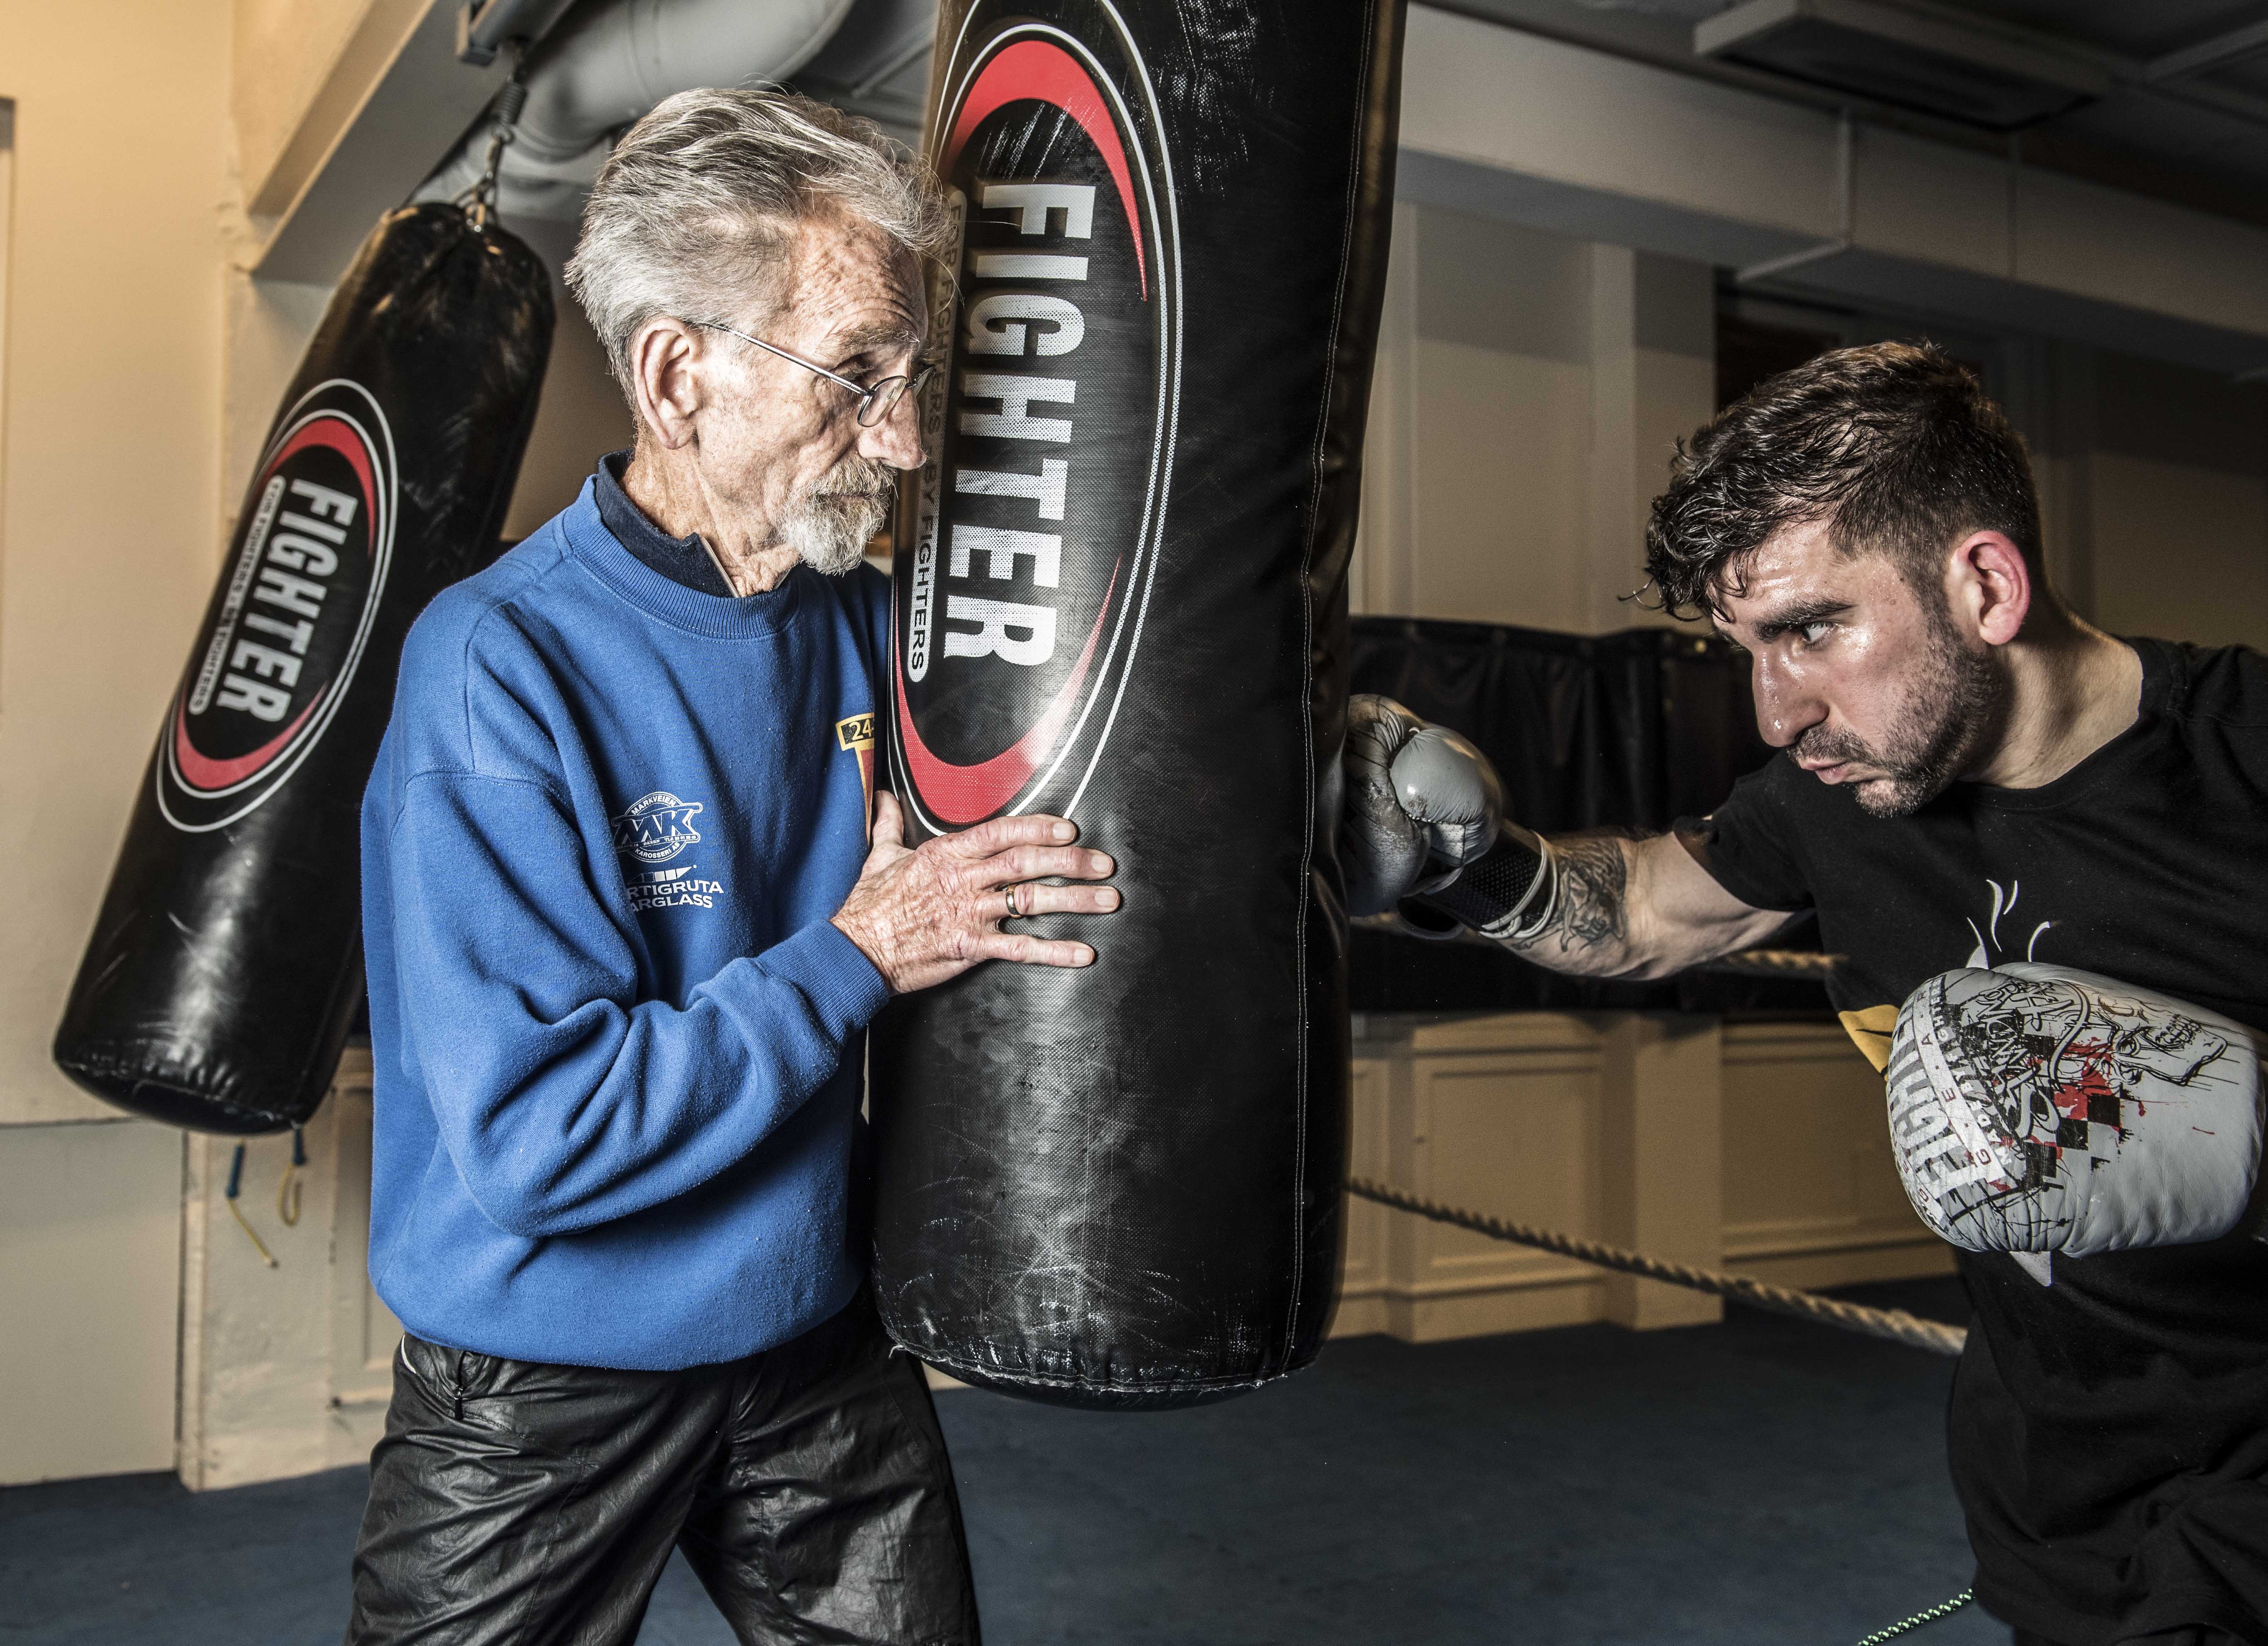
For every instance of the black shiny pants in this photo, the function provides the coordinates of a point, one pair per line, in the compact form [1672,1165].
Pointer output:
[536,1505]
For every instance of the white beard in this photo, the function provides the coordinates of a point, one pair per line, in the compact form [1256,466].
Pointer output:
[830,528]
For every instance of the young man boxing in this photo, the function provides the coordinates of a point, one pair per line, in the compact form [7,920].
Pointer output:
[2048,844]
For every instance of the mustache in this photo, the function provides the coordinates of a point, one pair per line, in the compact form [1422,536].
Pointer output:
[1821,746]
[857,476]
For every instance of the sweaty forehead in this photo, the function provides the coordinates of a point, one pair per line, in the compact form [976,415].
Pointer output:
[1793,573]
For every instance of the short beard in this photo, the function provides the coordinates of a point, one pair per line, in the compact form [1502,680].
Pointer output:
[1955,707]
[830,528]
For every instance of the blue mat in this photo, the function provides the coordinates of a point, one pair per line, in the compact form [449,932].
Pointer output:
[1762,1482]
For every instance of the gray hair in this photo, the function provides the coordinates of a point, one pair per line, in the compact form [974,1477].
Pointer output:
[694,211]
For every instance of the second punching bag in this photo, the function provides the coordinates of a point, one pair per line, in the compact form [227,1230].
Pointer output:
[1125,600]
[225,966]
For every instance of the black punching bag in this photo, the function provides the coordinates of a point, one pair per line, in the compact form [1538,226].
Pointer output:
[225,966]
[1121,596]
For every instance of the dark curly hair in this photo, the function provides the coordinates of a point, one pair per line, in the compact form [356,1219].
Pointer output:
[1895,445]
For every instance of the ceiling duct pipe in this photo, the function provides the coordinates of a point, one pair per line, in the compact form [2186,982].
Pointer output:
[604,66]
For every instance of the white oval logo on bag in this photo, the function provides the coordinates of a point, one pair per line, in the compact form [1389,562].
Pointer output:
[287,629]
[1021,599]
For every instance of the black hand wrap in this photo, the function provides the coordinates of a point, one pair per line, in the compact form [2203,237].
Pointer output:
[1509,892]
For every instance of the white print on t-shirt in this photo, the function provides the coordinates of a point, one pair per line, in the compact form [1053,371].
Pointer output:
[1988,951]
[674,888]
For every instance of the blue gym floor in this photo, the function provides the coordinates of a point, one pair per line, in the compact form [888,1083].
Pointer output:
[1760,1482]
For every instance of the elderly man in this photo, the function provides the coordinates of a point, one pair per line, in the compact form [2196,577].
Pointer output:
[626,920]
[1974,778]
[624,928]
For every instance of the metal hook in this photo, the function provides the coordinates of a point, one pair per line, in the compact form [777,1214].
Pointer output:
[479,201]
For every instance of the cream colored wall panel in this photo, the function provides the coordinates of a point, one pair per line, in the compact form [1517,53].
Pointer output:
[109,493]
[1379,580]
[269,322]
[1613,1125]
[2181,552]
[363,1332]
[1502,444]
[1513,1136]
[582,415]
[1363,1271]
[1811,1192]
[1445,1082]
[285,1370]
[1566,1034]
[89,1264]
[1660,1142]
[1653,379]
[1799,1100]
[1676,394]
[1618,514]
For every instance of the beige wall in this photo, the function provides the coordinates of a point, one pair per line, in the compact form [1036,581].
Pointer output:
[110,501]
[2180,504]
[89,1278]
[582,415]
[1530,387]
[110,497]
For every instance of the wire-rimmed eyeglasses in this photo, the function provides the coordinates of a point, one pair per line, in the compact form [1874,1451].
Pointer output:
[876,401]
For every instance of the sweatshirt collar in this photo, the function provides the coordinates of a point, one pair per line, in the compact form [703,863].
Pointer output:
[664,599]
[684,559]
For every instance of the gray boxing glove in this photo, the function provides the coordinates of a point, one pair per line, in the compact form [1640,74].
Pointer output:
[1421,803]
[2037,1109]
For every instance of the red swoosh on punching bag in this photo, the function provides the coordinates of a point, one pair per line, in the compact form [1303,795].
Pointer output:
[1035,69]
[962,794]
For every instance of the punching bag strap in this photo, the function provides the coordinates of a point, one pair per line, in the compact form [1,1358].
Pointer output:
[479,201]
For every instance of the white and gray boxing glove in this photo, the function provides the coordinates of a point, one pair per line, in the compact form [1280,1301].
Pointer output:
[1421,803]
[2037,1109]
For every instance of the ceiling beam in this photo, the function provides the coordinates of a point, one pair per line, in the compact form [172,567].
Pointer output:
[385,116]
[2207,54]
[1504,124]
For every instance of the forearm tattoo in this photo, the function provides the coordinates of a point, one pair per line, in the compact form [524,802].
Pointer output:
[1593,911]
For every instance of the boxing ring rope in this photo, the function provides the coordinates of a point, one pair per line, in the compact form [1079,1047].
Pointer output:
[1894,1324]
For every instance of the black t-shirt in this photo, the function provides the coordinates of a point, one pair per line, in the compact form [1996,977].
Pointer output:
[2109,1432]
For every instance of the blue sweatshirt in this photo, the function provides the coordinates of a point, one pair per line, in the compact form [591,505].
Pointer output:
[617,1042]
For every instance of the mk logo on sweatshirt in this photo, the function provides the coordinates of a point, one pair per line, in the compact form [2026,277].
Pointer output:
[657,826]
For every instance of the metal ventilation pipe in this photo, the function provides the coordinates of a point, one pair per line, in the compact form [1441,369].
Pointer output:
[604,66]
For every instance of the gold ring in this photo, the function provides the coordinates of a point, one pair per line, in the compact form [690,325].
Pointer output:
[1013,912]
